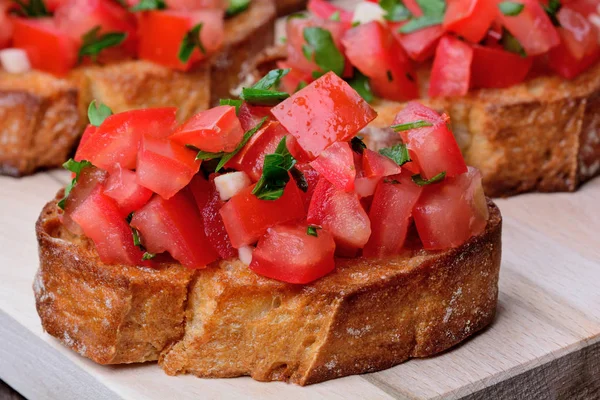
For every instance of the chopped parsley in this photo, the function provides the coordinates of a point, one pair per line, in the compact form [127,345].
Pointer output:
[191,40]
[264,91]
[311,230]
[231,102]
[137,241]
[422,182]
[397,153]
[236,7]
[395,10]
[511,8]
[433,14]
[361,84]
[552,10]
[32,9]
[93,43]
[411,125]
[275,175]
[336,16]
[97,113]
[321,49]
[510,43]
[146,5]
[75,167]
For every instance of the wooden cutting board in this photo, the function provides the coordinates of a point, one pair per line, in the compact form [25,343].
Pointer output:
[545,342]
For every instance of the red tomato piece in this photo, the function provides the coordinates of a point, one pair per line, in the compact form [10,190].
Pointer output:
[89,178]
[451,71]
[251,157]
[532,28]
[247,218]
[336,164]
[312,178]
[413,7]
[90,131]
[6,26]
[117,140]
[42,41]
[214,130]
[498,68]
[296,77]
[390,215]
[376,165]
[250,116]
[419,45]
[364,186]
[165,167]
[341,214]
[470,19]
[584,7]
[450,212]
[175,225]
[209,203]
[373,50]
[326,111]
[161,34]
[289,254]
[325,10]
[433,147]
[101,221]
[122,186]
[562,61]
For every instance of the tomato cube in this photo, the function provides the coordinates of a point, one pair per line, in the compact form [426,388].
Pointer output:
[6,25]
[433,147]
[390,215]
[377,165]
[498,68]
[336,164]
[419,45]
[101,220]
[324,10]
[470,19]
[326,111]
[289,254]
[250,116]
[247,218]
[122,186]
[312,178]
[89,178]
[341,214]
[450,212]
[43,41]
[451,71]
[165,167]
[296,77]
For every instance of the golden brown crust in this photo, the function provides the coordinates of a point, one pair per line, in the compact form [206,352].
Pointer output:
[38,109]
[366,316]
[285,7]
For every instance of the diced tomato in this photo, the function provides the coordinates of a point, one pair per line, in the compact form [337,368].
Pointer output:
[470,19]
[6,26]
[296,77]
[433,147]
[312,178]
[326,111]
[450,212]
[165,167]
[78,17]
[48,48]
[193,5]
[117,140]
[122,186]
[336,164]
[209,203]
[247,218]
[214,130]
[89,178]
[250,116]
[251,157]
[579,48]
[341,214]
[532,28]
[364,186]
[175,225]
[161,34]
[100,219]
[419,45]
[584,7]
[89,132]
[324,10]
[374,164]
[498,68]
[289,254]
[390,215]
[451,71]
[373,50]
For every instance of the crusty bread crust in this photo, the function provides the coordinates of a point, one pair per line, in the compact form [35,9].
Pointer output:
[542,135]
[285,7]
[226,321]
[42,116]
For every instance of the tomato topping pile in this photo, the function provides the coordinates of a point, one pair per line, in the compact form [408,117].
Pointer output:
[286,188]
[467,44]
[58,35]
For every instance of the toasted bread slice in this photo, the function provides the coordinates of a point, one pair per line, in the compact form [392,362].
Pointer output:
[541,135]
[42,116]
[226,321]
[285,7]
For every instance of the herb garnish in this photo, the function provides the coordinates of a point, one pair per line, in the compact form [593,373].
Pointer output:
[145,5]
[357,144]
[32,9]
[321,49]
[191,41]
[236,7]
[97,113]
[231,102]
[511,8]
[136,240]
[312,230]
[262,92]
[397,153]
[510,43]
[301,85]
[552,10]
[395,10]
[361,84]
[336,16]
[94,43]
[275,175]
[422,182]
[76,167]
[411,125]
[433,14]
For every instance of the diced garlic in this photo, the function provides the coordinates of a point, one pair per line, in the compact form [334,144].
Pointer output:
[15,61]
[228,185]
[245,254]
[366,12]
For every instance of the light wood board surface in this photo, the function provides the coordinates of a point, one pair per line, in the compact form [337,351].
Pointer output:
[545,342]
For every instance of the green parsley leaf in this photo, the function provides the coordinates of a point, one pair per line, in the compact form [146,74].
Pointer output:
[76,167]
[231,102]
[301,85]
[395,10]
[511,8]
[136,238]
[190,41]
[275,174]
[323,50]
[510,43]
[300,179]
[552,10]
[410,125]
[391,181]
[297,15]
[94,43]
[361,84]
[32,9]
[236,7]
[261,93]
[311,230]
[145,5]
[148,256]
[271,79]
[397,153]
[336,16]
[97,113]
[433,14]
[422,182]
[357,144]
